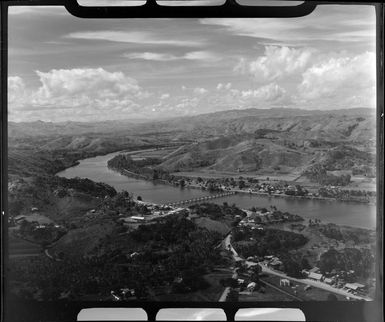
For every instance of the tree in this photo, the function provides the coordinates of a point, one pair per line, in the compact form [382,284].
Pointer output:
[233,296]
[139,198]
[292,268]
[229,282]
[332,297]
[241,184]
[255,277]
[305,263]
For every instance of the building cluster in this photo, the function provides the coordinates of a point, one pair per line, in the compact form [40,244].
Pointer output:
[257,219]
[157,212]
[336,279]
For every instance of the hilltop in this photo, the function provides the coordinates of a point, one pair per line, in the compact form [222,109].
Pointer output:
[279,140]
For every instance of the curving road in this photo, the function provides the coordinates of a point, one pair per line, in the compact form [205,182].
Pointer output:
[265,269]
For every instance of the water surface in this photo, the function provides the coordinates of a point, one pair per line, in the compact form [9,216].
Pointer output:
[338,212]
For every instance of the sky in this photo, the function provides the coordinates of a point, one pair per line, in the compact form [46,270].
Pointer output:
[63,68]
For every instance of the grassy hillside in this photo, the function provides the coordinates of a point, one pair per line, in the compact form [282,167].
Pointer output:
[235,153]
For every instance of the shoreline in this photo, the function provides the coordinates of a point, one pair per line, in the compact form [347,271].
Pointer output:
[128,173]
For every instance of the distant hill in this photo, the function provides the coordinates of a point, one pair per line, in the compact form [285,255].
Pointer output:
[232,153]
[279,139]
[357,124]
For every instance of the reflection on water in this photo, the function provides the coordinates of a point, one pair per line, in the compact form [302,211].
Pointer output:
[344,213]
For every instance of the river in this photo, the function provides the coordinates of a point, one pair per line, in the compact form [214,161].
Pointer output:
[338,212]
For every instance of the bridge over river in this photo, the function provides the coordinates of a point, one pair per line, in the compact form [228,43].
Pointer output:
[200,199]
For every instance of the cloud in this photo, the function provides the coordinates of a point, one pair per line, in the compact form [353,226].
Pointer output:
[353,24]
[89,86]
[165,96]
[221,86]
[151,56]
[186,106]
[268,93]
[137,37]
[341,80]
[200,91]
[194,55]
[201,55]
[276,63]
[17,94]
[77,93]
[266,96]
[37,10]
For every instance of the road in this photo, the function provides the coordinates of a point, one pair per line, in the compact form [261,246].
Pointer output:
[281,290]
[313,283]
[224,295]
[267,270]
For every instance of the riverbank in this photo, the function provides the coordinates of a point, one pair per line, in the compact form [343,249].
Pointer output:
[302,197]
[201,187]
[160,191]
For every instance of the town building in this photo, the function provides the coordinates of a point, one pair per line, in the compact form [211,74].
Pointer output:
[355,287]
[315,276]
[251,286]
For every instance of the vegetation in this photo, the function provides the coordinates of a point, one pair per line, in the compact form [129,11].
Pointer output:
[40,234]
[318,173]
[96,189]
[361,261]
[145,168]
[340,194]
[218,212]
[172,255]
[266,241]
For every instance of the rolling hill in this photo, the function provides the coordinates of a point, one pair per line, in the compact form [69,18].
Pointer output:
[279,139]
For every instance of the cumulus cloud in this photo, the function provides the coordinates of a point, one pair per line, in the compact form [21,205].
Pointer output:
[268,93]
[266,96]
[186,106]
[276,63]
[16,92]
[221,86]
[165,96]
[341,79]
[200,91]
[80,91]
[86,87]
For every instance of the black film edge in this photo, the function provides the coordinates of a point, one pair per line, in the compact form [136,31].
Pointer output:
[152,10]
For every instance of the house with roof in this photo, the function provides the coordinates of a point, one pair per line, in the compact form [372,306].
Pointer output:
[251,286]
[328,280]
[315,276]
[275,263]
[20,218]
[354,287]
[314,270]
[137,218]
